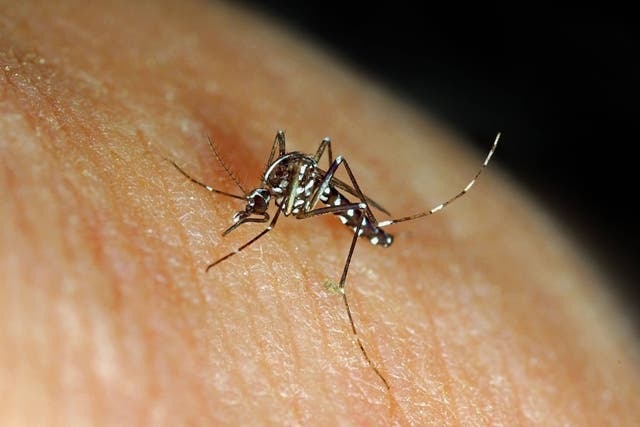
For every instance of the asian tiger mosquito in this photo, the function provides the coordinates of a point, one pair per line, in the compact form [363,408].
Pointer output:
[297,184]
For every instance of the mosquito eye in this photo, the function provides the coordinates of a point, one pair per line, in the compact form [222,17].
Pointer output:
[260,204]
[258,201]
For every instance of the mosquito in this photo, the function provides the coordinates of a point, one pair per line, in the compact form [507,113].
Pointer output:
[297,185]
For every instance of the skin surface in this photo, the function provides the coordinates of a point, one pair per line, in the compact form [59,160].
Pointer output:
[483,314]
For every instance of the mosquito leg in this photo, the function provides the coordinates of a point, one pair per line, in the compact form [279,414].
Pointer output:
[454,198]
[343,278]
[333,210]
[262,233]
[205,186]
[326,182]
[348,308]
[265,218]
[279,146]
[326,143]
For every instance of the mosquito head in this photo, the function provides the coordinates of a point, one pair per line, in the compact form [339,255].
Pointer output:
[254,211]
[257,201]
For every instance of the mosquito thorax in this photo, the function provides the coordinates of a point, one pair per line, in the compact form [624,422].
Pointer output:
[294,165]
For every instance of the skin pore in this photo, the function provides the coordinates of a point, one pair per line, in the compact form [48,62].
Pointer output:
[483,314]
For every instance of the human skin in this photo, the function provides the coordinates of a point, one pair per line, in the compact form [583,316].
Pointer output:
[484,314]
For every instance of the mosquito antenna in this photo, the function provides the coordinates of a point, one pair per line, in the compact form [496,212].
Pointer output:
[457,196]
[233,177]
[202,184]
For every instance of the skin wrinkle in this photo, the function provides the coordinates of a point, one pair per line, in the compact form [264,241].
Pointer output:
[103,241]
[325,326]
[59,227]
[510,387]
[504,396]
[265,348]
[231,353]
[153,387]
[319,340]
[292,353]
[184,238]
[332,311]
[485,324]
[272,350]
[293,331]
[446,380]
[375,317]
[223,323]
[328,325]
[374,321]
[45,103]
[276,257]
[366,328]
[457,351]
[250,343]
[384,398]
[408,313]
[226,350]
[549,300]
[95,316]
[369,380]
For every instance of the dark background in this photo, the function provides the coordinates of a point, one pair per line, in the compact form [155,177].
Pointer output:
[561,84]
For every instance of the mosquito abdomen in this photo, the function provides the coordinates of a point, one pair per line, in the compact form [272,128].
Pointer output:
[352,218]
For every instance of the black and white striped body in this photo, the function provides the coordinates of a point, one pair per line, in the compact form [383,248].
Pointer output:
[353,217]
[294,180]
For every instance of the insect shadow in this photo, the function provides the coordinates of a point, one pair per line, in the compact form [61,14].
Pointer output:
[297,185]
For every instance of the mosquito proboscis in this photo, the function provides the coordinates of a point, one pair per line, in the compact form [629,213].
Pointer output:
[297,185]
